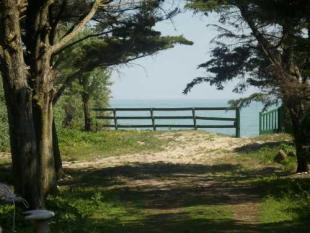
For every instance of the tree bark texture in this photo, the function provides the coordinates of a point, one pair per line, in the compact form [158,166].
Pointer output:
[301,140]
[27,45]
[29,101]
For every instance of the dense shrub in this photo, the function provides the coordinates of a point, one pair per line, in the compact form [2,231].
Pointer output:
[4,134]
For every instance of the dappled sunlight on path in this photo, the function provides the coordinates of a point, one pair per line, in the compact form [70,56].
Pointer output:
[194,185]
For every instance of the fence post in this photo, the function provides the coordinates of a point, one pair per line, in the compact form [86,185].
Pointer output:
[238,122]
[115,119]
[280,119]
[275,121]
[264,123]
[260,123]
[96,123]
[194,118]
[153,120]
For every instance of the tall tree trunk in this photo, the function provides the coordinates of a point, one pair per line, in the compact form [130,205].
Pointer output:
[300,138]
[302,153]
[86,110]
[23,144]
[30,115]
[18,95]
[30,123]
[25,65]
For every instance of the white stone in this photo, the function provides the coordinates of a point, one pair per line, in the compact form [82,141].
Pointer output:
[39,214]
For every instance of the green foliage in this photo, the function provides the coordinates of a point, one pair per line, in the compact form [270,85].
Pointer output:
[287,200]
[76,82]
[243,62]
[93,87]
[69,111]
[83,65]
[96,210]
[4,128]
[206,6]
[256,97]
[265,153]
[124,37]
[263,44]
[181,198]
[246,45]
[123,48]
[287,208]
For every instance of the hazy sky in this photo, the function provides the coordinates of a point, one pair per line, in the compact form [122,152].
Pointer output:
[166,74]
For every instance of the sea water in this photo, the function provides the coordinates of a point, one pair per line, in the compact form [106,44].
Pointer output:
[249,115]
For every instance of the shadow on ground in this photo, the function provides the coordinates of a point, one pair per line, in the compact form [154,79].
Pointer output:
[163,198]
[253,147]
[180,223]
[5,174]
[166,186]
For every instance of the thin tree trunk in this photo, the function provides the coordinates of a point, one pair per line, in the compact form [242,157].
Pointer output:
[43,120]
[302,153]
[86,110]
[57,156]
[300,139]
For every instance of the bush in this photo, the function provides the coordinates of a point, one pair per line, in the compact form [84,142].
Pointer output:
[4,128]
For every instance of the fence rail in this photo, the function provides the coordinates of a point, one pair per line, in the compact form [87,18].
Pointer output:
[271,121]
[113,118]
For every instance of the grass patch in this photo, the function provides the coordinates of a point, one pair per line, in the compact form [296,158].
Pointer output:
[210,212]
[265,153]
[286,201]
[171,198]
[278,210]
[273,137]
[79,145]
[100,206]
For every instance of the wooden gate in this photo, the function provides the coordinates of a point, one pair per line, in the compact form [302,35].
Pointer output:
[152,117]
[271,121]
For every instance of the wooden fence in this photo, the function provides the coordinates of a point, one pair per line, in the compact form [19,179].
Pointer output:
[271,121]
[111,115]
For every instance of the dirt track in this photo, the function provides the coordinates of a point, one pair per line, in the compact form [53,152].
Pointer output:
[186,147]
[194,157]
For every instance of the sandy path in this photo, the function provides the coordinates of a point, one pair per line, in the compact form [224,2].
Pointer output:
[187,147]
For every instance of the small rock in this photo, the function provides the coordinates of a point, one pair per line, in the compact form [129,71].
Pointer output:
[281,156]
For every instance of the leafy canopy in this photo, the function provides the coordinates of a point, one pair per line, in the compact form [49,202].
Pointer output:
[254,36]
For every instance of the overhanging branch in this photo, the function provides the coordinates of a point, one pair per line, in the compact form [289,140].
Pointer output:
[54,23]
[82,39]
[65,40]
[267,47]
